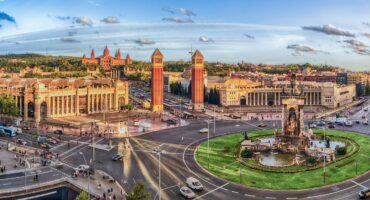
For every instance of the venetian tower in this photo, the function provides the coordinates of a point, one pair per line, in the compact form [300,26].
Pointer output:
[197,81]
[157,81]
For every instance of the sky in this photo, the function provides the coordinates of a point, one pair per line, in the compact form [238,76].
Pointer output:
[333,32]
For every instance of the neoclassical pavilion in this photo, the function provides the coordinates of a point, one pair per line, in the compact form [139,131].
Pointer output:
[51,98]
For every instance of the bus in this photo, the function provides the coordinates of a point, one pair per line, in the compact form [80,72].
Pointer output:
[8,131]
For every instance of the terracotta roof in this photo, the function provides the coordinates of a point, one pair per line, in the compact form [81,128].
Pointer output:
[157,53]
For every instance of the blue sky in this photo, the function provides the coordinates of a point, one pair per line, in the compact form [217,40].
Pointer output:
[258,31]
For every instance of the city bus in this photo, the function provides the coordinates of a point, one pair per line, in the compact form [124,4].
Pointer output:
[8,131]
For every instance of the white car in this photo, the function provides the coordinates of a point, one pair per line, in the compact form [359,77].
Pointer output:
[82,168]
[186,192]
[348,123]
[203,130]
[57,164]
[194,184]
[365,122]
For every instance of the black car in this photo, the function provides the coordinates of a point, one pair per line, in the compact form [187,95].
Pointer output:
[59,132]
[117,157]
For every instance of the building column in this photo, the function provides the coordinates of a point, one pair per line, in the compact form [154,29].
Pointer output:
[92,103]
[57,110]
[25,113]
[63,105]
[77,104]
[275,101]
[67,105]
[48,107]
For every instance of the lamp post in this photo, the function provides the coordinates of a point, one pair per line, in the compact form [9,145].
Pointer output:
[159,153]
[324,158]
[88,174]
[208,142]
[214,121]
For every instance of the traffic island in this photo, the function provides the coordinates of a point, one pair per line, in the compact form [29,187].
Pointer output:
[223,160]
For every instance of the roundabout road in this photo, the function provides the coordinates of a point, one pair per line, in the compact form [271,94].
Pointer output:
[178,163]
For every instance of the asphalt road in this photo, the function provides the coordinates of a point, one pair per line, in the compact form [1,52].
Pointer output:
[177,163]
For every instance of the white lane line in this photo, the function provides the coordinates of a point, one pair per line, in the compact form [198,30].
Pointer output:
[250,195]
[291,198]
[235,192]
[270,197]
[198,197]
[358,184]
[6,184]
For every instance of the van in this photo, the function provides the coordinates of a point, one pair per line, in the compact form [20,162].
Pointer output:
[194,184]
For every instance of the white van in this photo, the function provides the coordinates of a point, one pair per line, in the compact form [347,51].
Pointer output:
[194,184]
[203,130]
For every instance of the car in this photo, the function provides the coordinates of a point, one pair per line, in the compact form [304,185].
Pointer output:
[348,123]
[117,157]
[366,109]
[21,141]
[171,122]
[203,130]
[56,139]
[82,168]
[194,184]
[363,116]
[331,126]
[108,178]
[57,164]
[357,121]
[46,146]
[261,125]
[365,122]
[26,128]
[58,132]
[313,125]
[365,193]
[186,192]
[340,123]
[51,141]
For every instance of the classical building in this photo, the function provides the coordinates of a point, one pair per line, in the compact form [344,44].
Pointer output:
[253,94]
[197,81]
[157,81]
[38,99]
[106,61]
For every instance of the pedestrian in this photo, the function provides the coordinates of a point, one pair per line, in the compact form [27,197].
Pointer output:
[108,191]
[111,189]
[114,197]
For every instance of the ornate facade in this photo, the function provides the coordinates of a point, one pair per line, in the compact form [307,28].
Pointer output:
[49,98]
[106,61]
[157,81]
[197,81]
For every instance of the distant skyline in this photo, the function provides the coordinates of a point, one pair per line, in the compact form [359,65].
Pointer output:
[333,32]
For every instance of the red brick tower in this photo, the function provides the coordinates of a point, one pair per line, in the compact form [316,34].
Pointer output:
[157,81]
[92,54]
[197,81]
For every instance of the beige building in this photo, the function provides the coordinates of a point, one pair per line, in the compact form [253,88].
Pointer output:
[49,98]
[329,95]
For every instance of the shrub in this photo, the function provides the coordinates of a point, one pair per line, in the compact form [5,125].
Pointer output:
[247,153]
[311,160]
[341,151]
[226,149]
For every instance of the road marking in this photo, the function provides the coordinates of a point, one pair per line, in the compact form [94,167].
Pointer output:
[270,197]
[6,184]
[358,184]
[291,198]
[235,192]
[198,197]
[250,195]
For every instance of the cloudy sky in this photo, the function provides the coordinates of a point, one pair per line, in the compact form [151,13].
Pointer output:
[335,32]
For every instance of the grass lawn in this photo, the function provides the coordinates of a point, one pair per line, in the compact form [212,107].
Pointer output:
[224,165]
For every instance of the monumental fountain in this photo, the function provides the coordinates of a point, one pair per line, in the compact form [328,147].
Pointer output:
[294,143]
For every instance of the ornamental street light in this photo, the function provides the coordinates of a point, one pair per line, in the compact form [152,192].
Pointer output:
[88,174]
[159,153]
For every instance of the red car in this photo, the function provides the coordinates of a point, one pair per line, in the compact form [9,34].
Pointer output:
[331,126]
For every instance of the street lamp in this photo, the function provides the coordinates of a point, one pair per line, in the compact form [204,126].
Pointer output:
[324,157]
[208,142]
[159,153]
[88,174]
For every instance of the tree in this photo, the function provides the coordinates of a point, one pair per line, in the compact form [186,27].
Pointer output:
[138,193]
[8,105]
[82,196]
[246,136]
[311,160]
[341,151]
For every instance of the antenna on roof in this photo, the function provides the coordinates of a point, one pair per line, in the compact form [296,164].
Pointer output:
[191,50]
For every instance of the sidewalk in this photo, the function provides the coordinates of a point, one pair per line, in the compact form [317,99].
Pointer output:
[91,185]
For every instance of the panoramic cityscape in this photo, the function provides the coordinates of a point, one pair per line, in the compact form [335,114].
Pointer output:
[164,100]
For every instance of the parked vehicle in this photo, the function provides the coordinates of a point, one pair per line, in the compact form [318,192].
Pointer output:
[59,132]
[8,131]
[46,146]
[357,121]
[194,184]
[365,122]
[51,141]
[82,168]
[331,126]
[186,192]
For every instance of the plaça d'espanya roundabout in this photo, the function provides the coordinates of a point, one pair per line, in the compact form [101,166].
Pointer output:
[289,158]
